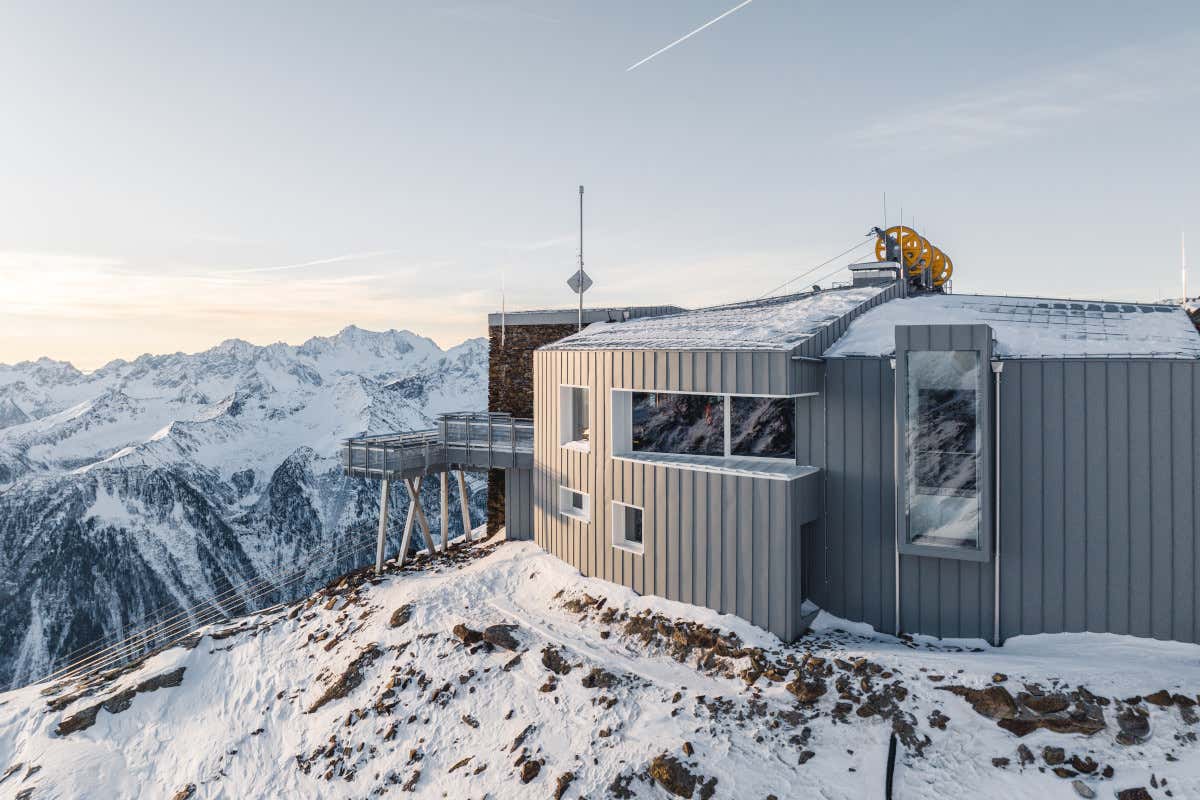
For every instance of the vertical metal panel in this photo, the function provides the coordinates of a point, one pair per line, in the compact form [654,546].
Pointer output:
[1139,499]
[1123,548]
[1161,502]
[1053,437]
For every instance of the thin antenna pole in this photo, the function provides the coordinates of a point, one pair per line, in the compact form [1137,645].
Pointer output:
[581,254]
[503,310]
[1183,262]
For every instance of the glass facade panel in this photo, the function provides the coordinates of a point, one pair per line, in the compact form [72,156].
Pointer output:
[688,424]
[762,427]
[579,415]
[943,442]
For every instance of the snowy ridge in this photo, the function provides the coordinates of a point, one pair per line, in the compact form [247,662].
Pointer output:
[163,479]
[506,674]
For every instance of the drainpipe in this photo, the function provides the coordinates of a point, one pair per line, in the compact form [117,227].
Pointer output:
[899,498]
[997,368]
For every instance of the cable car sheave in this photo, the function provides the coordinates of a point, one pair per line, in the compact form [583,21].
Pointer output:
[916,253]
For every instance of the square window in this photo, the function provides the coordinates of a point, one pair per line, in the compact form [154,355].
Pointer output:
[627,527]
[573,416]
[573,504]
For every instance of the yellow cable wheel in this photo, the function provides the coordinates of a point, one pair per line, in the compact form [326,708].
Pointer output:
[945,274]
[917,253]
[937,262]
[901,232]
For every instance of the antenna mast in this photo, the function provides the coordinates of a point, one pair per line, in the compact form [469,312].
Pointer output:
[581,253]
[1183,262]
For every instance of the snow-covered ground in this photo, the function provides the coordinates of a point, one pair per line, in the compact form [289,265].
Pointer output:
[366,688]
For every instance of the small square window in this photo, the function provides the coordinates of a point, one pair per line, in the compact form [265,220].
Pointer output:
[573,420]
[573,504]
[627,527]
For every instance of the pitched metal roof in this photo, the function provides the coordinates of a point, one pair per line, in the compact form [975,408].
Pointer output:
[1032,327]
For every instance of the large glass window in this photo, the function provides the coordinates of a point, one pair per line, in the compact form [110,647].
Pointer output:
[943,443]
[762,427]
[690,424]
[574,428]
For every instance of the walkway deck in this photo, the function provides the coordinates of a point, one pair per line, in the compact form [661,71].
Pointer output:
[474,441]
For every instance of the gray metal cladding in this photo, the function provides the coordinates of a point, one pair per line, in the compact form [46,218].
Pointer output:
[727,542]
[1099,495]
[1099,501]
[518,503]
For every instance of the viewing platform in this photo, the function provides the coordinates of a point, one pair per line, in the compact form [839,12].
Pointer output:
[473,441]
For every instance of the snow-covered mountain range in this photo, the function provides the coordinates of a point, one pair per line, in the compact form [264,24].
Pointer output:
[148,485]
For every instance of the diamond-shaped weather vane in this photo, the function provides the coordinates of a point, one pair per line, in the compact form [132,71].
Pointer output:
[580,282]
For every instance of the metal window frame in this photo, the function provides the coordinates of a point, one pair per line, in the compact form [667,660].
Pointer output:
[982,336]
[564,505]
[566,418]
[637,548]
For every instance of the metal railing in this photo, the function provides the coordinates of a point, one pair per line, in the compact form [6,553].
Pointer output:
[469,440]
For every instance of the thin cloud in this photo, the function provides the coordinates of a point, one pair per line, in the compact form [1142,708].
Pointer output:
[687,36]
[1114,82]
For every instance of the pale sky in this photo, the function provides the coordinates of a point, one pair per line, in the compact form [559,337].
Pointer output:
[178,174]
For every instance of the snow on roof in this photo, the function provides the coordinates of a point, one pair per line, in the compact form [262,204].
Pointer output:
[1027,327]
[774,324]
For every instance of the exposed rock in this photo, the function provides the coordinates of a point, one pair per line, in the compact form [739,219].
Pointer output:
[521,737]
[1000,762]
[501,636]
[350,679]
[1025,755]
[1137,793]
[938,720]
[1134,724]
[1082,789]
[807,691]
[121,701]
[1086,765]
[1162,698]
[1063,772]
[564,782]
[1053,756]
[993,702]
[999,677]
[530,770]
[552,659]
[1044,704]
[599,679]
[401,616]
[185,792]
[671,774]
[467,635]
[1019,727]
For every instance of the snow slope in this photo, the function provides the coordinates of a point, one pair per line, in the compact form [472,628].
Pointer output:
[603,683]
[148,485]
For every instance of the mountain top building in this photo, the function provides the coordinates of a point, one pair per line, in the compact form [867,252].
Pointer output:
[924,462]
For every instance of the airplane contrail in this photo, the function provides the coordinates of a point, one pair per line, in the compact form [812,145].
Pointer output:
[687,36]
[318,262]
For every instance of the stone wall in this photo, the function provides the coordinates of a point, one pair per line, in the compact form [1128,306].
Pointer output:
[510,388]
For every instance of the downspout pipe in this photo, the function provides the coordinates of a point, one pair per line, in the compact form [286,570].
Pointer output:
[997,369]
[899,496]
